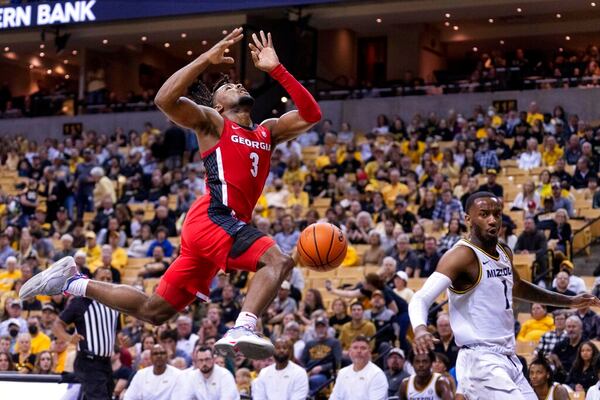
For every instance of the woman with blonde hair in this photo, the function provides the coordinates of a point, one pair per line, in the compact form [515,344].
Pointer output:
[44,363]
[525,196]
[560,231]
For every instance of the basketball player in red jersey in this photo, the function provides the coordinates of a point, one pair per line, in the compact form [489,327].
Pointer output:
[216,234]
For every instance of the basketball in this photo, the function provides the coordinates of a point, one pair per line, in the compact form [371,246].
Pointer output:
[322,247]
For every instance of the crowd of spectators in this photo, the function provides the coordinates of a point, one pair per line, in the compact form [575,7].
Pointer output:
[110,199]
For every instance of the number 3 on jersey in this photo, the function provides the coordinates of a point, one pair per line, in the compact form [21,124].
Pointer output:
[254,167]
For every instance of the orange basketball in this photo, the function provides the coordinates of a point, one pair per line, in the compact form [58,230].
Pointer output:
[322,247]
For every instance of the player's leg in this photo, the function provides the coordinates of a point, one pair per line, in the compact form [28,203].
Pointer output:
[272,268]
[63,276]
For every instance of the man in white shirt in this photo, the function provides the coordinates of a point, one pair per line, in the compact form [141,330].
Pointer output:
[531,157]
[155,382]
[207,381]
[283,380]
[362,380]
[185,338]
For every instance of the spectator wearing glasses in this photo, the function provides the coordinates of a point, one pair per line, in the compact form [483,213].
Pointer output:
[156,381]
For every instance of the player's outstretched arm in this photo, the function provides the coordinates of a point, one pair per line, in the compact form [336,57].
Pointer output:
[443,389]
[457,264]
[171,97]
[292,123]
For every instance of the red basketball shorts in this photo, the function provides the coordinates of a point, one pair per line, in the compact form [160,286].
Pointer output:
[211,239]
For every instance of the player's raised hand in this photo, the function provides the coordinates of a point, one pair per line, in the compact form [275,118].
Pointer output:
[424,341]
[263,53]
[216,54]
[585,300]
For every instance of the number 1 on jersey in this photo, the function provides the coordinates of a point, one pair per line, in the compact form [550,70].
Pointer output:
[254,168]
[506,293]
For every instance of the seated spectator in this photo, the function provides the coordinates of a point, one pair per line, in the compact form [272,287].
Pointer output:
[562,287]
[531,158]
[560,200]
[417,239]
[525,196]
[374,254]
[206,380]
[582,374]
[92,250]
[357,326]
[390,191]
[39,340]
[322,356]
[103,187]
[10,275]
[243,380]
[428,206]
[591,322]
[566,349]
[104,213]
[551,338]
[403,216]
[292,333]
[453,235]
[6,363]
[401,286]
[446,345]
[373,385]
[283,304]
[44,363]
[140,245]
[541,374]
[162,219]
[162,241]
[491,185]
[339,315]
[446,209]
[154,382]
[23,358]
[229,306]
[442,366]
[186,339]
[269,383]
[5,249]
[395,372]
[67,247]
[535,327]
[560,232]
[424,380]
[582,173]
[119,255]
[531,240]
[358,230]
[168,339]
[112,227]
[289,235]
[551,151]
[384,321]
[157,267]
[312,302]
[428,261]
[406,258]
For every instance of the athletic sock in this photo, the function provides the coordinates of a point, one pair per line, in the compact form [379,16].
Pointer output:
[76,287]
[247,320]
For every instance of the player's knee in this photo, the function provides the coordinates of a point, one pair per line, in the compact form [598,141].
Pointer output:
[279,261]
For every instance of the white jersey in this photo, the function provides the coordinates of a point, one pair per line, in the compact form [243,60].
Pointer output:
[482,316]
[428,392]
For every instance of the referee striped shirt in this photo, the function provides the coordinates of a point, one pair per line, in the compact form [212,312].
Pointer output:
[95,322]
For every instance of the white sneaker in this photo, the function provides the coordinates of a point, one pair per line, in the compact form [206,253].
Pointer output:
[51,281]
[243,340]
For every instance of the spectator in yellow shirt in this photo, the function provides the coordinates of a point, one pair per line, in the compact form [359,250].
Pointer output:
[93,252]
[298,196]
[294,171]
[394,189]
[373,166]
[541,322]
[104,187]
[10,275]
[413,148]
[119,255]
[39,340]
[551,152]
[351,258]
[533,114]
[436,155]
[357,326]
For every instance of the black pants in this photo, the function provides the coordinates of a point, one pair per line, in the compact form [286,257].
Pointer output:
[95,375]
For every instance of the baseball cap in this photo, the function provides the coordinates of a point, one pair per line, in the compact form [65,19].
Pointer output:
[61,209]
[15,302]
[397,351]
[321,321]
[90,235]
[285,285]
[400,201]
[48,307]
[568,264]
[14,321]
[492,171]
[402,275]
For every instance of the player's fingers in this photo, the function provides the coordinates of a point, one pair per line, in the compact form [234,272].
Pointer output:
[228,60]
[233,33]
[263,38]
[257,42]
[237,38]
[269,40]
[253,48]
[254,56]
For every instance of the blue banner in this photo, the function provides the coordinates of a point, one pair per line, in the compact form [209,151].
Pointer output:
[88,11]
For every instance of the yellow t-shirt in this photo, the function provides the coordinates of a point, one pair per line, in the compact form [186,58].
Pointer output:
[390,192]
[351,258]
[532,330]
[289,177]
[39,343]
[93,257]
[301,199]
[415,155]
[7,279]
[61,358]
[531,118]
[322,161]
[348,333]
[119,258]
[550,157]
[264,206]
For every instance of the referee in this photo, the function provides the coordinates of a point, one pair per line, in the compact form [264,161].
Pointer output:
[95,330]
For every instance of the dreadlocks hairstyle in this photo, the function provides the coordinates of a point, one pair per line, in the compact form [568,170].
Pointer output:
[202,95]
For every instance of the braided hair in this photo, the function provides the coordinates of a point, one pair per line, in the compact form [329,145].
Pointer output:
[541,360]
[202,95]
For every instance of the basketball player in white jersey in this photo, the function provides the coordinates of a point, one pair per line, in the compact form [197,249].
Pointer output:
[540,376]
[478,275]
[424,384]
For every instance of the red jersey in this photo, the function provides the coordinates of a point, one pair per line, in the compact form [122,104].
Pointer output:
[237,168]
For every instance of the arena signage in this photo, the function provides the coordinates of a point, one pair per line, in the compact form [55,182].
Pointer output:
[86,11]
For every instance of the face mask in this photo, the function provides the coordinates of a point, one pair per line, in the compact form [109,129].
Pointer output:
[33,330]
[13,332]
